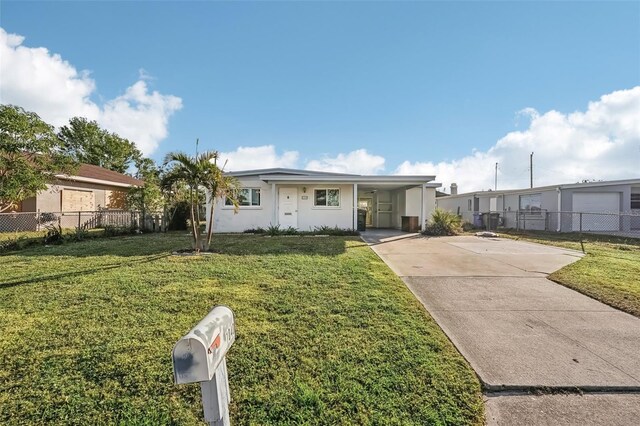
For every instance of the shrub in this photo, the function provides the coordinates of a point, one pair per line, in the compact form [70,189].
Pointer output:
[289,231]
[443,223]
[257,230]
[467,226]
[114,231]
[334,231]
[274,230]
[54,234]
[179,216]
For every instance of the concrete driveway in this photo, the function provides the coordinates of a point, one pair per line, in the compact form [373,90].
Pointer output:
[518,330]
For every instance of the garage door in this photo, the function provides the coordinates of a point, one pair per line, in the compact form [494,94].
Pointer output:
[596,202]
[74,200]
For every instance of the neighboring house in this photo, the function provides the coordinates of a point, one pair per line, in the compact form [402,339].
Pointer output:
[558,206]
[305,199]
[91,188]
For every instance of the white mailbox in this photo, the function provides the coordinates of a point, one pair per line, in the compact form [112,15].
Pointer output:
[199,356]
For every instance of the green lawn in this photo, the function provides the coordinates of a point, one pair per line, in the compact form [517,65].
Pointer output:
[609,272]
[326,334]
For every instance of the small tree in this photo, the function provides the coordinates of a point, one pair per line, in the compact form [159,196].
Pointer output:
[197,173]
[148,197]
[443,223]
[30,155]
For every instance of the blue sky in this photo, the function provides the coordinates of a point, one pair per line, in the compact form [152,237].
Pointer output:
[424,82]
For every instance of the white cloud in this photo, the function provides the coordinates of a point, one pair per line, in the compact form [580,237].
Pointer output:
[602,142]
[140,116]
[258,157]
[43,82]
[357,162]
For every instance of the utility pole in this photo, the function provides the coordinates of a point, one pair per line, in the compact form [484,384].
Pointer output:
[495,187]
[531,169]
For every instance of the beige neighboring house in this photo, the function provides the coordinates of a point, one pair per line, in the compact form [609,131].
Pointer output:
[91,188]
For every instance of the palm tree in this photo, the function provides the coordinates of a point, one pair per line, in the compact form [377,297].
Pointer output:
[197,173]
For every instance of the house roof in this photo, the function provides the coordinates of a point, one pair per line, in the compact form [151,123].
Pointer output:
[284,171]
[280,175]
[548,188]
[95,174]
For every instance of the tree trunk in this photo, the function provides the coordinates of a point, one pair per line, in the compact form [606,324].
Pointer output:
[210,229]
[194,229]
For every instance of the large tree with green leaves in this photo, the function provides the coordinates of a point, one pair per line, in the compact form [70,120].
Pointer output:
[30,155]
[198,173]
[87,142]
[148,197]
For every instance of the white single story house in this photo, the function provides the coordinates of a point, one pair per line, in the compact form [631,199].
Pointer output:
[558,207]
[304,199]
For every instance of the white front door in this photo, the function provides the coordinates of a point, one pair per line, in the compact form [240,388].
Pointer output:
[288,207]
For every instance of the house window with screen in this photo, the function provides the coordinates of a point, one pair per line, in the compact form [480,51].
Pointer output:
[469,205]
[247,197]
[531,203]
[635,201]
[326,197]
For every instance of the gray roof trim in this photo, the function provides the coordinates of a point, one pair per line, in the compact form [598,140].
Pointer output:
[297,172]
[370,179]
[548,188]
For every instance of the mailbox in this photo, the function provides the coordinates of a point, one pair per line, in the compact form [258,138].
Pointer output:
[199,356]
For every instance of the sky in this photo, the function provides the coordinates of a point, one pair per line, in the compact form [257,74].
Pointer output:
[444,88]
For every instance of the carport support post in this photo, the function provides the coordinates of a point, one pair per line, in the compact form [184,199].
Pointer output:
[355,206]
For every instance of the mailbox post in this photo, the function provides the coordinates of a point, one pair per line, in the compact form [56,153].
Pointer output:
[199,356]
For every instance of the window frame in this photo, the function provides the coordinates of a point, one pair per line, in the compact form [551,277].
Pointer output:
[532,209]
[250,199]
[632,201]
[327,189]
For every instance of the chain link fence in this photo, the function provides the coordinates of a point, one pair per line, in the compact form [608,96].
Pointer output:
[85,220]
[619,224]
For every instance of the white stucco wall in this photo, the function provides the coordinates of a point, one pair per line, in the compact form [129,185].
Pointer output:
[247,217]
[457,204]
[309,216]
[414,198]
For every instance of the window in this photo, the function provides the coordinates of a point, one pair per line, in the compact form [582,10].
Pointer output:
[326,197]
[247,197]
[469,204]
[635,201]
[531,203]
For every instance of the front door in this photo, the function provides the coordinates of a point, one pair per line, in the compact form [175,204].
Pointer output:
[288,212]
[366,203]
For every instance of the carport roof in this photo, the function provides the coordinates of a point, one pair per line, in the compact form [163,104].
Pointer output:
[282,175]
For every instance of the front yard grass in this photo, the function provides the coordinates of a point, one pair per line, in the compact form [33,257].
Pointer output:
[610,271]
[326,334]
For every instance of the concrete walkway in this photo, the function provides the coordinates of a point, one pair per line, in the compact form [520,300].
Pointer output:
[518,330]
